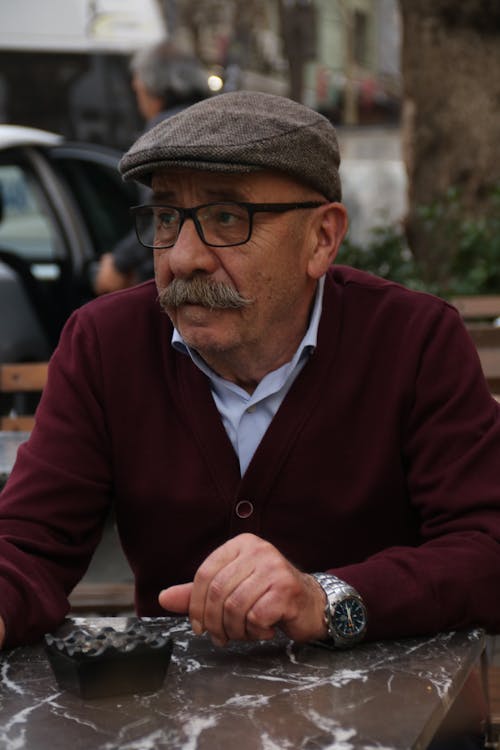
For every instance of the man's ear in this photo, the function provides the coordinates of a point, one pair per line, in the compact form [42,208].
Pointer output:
[331,228]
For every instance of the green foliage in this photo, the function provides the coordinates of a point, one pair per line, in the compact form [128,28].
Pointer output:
[465,251]
[387,255]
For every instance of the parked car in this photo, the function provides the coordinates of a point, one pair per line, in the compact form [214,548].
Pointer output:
[62,205]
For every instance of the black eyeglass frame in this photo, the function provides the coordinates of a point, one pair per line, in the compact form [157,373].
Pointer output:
[191,213]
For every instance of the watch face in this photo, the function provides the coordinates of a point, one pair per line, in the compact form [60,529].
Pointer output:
[349,618]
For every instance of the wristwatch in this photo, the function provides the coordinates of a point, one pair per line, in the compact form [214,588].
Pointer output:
[345,612]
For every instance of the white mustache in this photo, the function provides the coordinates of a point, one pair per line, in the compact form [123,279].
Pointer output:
[201,291]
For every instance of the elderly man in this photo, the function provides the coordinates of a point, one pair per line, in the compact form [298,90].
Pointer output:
[286,444]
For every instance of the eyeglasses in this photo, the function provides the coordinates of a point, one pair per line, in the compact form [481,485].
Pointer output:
[218,224]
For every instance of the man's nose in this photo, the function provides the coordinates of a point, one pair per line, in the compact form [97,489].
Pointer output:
[190,254]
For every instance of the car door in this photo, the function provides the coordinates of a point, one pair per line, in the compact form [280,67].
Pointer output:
[62,207]
[33,247]
[102,200]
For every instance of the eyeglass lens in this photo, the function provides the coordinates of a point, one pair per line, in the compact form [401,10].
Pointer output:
[220,224]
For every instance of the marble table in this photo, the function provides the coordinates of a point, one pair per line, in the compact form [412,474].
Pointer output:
[263,696]
[9,443]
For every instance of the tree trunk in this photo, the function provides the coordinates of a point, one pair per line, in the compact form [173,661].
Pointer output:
[451,133]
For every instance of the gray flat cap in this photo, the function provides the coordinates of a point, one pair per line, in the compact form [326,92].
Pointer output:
[240,132]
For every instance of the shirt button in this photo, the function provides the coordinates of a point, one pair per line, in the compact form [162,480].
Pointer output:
[251,409]
[244,509]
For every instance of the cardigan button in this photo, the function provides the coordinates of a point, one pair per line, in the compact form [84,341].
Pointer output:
[244,509]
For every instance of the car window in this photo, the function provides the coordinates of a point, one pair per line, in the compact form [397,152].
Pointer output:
[104,200]
[27,226]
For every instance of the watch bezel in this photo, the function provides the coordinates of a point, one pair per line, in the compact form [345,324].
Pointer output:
[332,612]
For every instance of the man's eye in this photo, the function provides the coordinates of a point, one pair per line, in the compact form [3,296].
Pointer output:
[225,217]
[228,217]
[166,218]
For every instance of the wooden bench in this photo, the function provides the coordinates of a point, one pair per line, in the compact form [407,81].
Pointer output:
[479,312]
[19,381]
[490,362]
[487,340]
[477,307]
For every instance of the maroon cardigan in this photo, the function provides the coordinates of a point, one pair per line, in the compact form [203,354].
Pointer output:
[382,464]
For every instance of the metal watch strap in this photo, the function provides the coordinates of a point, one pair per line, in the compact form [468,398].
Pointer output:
[333,585]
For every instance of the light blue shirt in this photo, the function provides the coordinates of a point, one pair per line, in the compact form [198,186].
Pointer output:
[246,416]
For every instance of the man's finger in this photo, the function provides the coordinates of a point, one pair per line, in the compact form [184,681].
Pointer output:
[216,562]
[176,598]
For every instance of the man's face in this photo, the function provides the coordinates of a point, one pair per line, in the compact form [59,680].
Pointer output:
[270,271]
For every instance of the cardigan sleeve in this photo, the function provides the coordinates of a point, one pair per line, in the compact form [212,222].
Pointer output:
[450,441]
[53,507]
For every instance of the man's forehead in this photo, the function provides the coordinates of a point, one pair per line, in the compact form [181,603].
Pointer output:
[172,177]
[171,180]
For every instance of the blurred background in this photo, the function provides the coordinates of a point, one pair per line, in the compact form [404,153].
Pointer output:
[64,63]
[413,87]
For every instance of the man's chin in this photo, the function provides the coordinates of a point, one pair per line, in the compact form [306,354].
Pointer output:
[192,317]
[206,340]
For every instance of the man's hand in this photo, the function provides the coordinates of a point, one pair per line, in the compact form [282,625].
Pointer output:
[108,278]
[246,589]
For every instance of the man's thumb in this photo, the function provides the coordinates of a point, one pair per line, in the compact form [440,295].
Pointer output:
[176,598]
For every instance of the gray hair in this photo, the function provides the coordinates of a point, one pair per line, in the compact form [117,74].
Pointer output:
[170,74]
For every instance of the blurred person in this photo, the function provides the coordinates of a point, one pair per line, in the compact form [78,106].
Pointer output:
[165,81]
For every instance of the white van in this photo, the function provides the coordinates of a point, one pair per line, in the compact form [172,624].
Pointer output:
[64,65]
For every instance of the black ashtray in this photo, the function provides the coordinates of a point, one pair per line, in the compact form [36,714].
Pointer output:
[106,662]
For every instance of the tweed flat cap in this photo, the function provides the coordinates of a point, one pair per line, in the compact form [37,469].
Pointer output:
[241,132]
